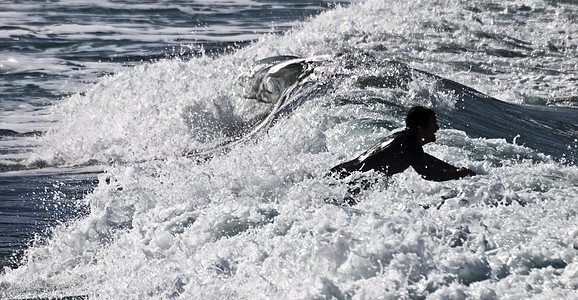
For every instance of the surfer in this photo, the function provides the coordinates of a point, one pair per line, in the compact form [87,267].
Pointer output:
[395,153]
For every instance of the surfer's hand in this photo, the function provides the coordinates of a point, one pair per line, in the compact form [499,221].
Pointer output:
[463,172]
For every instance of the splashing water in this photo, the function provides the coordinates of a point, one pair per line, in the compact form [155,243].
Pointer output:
[254,222]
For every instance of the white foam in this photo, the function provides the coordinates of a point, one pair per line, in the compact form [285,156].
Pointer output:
[253,223]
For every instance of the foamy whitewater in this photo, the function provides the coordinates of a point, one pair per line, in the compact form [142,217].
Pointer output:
[212,168]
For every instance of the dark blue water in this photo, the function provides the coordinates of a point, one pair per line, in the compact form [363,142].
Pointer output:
[31,203]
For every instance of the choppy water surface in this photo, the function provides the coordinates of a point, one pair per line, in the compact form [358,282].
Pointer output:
[209,169]
[53,49]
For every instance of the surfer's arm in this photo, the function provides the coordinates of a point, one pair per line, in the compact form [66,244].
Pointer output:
[431,168]
[434,162]
[463,172]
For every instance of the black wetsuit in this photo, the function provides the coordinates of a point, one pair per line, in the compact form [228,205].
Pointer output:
[394,154]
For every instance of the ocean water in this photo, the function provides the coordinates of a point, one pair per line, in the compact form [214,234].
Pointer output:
[170,149]
[53,50]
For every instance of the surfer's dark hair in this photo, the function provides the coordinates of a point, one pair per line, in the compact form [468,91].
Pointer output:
[418,117]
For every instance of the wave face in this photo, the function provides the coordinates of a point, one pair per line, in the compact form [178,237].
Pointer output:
[215,181]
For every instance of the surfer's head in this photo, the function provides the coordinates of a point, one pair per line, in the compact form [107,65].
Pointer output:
[422,121]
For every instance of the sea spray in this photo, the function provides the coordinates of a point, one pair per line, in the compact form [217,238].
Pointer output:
[255,222]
